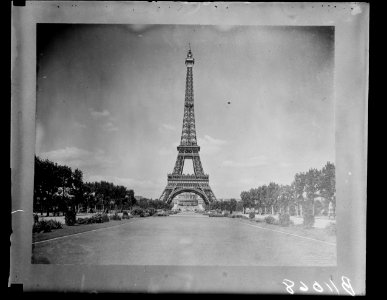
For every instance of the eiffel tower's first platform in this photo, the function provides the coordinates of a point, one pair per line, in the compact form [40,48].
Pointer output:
[198,182]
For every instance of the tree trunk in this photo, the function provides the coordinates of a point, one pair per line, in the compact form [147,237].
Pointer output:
[272,210]
[313,206]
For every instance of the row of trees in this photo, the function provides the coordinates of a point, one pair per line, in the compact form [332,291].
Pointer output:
[156,204]
[309,194]
[231,205]
[58,189]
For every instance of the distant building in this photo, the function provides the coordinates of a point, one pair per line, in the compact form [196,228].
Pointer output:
[188,201]
[228,199]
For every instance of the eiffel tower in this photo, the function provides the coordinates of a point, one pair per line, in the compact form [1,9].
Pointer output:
[178,182]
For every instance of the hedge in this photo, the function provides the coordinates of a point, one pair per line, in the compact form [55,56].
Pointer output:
[46,226]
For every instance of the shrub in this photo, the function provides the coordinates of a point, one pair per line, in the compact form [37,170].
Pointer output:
[161,214]
[46,226]
[115,217]
[252,215]
[151,211]
[284,219]
[98,218]
[54,224]
[270,220]
[36,218]
[226,214]
[82,221]
[105,218]
[331,228]
[216,215]
[95,219]
[138,211]
[41,226]
[70,217]
[308,220]
[125,215]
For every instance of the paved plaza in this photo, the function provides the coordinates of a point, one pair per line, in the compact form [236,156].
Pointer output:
[186,239]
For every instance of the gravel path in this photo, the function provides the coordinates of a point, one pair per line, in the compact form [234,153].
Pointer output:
[187,239]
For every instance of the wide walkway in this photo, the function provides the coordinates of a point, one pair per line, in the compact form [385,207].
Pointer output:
[186,239]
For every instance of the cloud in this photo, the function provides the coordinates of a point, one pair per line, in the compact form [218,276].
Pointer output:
[163,151]
[109,127]
[251,162]
[169,150]
[211,145]
[39,137]
[99,114]
[78,158]
[285,165]
[168,127]
[79,125]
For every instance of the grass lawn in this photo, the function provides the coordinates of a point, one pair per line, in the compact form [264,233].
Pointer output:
[68,230]
[315,233]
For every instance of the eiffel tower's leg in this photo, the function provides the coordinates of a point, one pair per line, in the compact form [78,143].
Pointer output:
[164,196]
[210,194]
[198,169]
[179,165]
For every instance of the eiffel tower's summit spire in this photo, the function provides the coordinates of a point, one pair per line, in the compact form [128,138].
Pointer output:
[188,134]
[189,61]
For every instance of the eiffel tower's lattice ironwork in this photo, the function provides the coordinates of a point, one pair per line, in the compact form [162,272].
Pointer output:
[188,149]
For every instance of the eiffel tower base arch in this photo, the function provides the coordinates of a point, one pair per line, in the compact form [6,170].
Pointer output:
[171,193]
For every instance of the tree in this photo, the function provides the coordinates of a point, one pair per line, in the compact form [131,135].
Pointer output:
[77,188]
[285,198]
[130,201]
[327,184]
[46,184]
[233,205]
[64,192]
[239,206]
[57,188]
[298,190]
[312,180]
[272,195]
[143,203]
[263,198]
[246,200]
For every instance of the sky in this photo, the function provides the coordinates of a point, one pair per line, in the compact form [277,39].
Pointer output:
[110,101]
